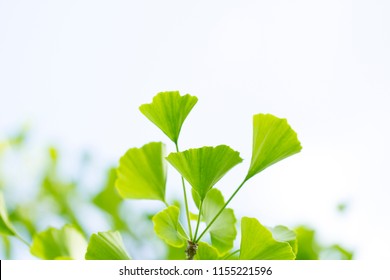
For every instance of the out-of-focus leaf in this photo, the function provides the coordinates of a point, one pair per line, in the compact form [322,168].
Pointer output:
[206,252]
[223,231]
[6,227]
[257,243]
[204,167]
[25,214]
[342,207]
[142,173]
[284,234]
[168,228]
[106,246]
[64,243]
[336,252]
[193,216]
[6,247]
[168,111]
[109,200]
[273,140]
[308,248]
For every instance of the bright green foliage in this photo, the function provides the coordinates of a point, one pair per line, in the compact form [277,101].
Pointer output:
[206,252]
[273,140]
[106,246]
[108,199]
[204,167]
[175,253]
[142,173]
[282,233]
[168,111]
[168,228]
[336,252]
[310,249]
[257,243]
[64,243]
[6,227]
[223,231]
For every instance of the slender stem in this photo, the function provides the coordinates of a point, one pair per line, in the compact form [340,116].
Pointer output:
[198,223]
[185,199]
[166,203]
[22,239]
[220,211]
[233,253]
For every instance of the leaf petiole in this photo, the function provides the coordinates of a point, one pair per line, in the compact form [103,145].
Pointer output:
[198,222]
[220,211]
[22,239]
[231,254]
[185,199]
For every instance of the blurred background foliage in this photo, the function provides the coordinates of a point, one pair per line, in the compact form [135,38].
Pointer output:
[57,200]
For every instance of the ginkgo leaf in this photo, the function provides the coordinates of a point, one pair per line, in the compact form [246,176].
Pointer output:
[168,228]
[106,246]
[108,198]
[206,252]
[6,227]
[176,253]
[284,234]
[64,243]
[204,167]
[168,111]
[257,243]
[142,173]
[308,246]
[273,140]
[223,231]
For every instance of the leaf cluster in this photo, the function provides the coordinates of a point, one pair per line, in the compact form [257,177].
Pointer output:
[209,230]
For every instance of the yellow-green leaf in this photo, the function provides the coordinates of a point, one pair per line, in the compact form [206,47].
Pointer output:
[204,167]
[142,173]
[106,246]
[64,243]
[206,252]
[273,140]
[168,228]
[223,231]
[6,227]
[257,243]
[168,111]
[282,233]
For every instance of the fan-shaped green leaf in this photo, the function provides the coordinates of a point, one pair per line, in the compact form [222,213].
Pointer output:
[108,198]
[204,167]
[273,140]
[336,252]
[106,246]
[168,228]
[168,111]
[142,173]
[64,243]
[6,227]
[257,243]
[176,253]
[223,231]
[284,234]
[206,252]
[308,246]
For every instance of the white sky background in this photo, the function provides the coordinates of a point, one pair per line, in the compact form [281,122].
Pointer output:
[78,70]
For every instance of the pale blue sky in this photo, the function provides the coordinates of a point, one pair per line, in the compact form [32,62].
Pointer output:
[78,70]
